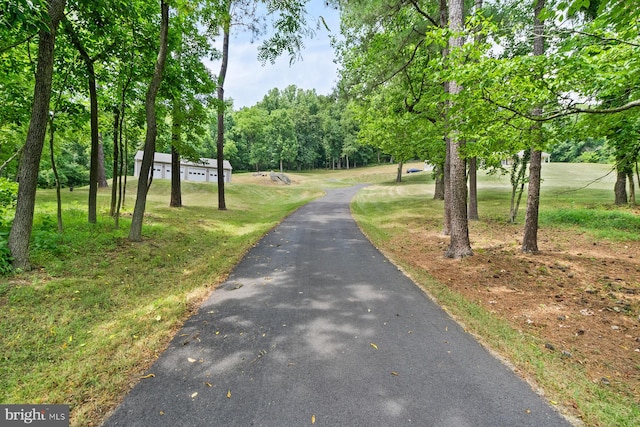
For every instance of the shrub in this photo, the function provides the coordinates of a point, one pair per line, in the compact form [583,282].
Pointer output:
[8,198]
[8,194]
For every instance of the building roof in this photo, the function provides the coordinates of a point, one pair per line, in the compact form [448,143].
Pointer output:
[166,158]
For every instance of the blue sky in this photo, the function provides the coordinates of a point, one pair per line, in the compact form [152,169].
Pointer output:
[248,80]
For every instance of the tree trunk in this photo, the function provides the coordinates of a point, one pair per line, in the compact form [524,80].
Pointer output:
[620,189]
[176,129]
[122,175]
[52,130]
[632,189]
[473,161]
[120,153]
[93,167]
[530,239]
[438,193]
[399,174]
[22,226]
[135,232]
[93,102]
[473,189]
[116,162]
[221,107]
[102,175]
[446,226]
[459,245]
[517,183]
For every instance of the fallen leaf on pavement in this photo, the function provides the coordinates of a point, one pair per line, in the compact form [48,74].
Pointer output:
[374,346]
[144,377]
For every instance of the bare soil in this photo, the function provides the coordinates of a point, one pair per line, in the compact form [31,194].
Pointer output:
[579,295]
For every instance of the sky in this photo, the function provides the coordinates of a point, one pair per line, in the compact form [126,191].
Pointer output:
[248,80]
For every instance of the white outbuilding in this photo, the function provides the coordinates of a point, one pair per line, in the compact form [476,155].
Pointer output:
[204,171]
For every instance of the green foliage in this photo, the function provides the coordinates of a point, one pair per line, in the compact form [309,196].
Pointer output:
[5,253]
[298,127]
[8,194]
[45,236]
[604,223]
[8,197]
[589,150]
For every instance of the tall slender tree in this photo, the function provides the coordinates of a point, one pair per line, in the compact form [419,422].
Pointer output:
[144,180]
[530,238]
[226,30]
[21,228]
[459,245]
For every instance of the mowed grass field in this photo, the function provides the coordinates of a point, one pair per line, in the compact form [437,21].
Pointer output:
[97,309]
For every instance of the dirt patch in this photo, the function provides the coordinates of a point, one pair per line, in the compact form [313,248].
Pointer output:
[580,295]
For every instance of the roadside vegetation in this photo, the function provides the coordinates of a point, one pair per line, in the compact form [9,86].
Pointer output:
[82,327]
[97,309]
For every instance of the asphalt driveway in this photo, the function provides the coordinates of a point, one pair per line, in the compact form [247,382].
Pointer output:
[316,327]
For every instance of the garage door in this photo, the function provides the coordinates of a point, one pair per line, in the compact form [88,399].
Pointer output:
[197,174]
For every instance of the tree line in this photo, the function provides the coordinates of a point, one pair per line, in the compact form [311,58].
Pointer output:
[131,71]
[468,84]
[461,84]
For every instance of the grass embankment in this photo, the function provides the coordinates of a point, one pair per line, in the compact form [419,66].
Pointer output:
[98,310]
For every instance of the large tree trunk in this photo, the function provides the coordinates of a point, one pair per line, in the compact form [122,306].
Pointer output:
[221,107]
[459,245]
[22,226]
[135,232]
[530,238]
[620,189]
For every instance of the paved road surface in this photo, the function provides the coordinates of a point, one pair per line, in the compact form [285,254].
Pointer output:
[316,327]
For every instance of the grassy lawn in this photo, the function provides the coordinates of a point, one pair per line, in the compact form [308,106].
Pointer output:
[81,327]
[98,309]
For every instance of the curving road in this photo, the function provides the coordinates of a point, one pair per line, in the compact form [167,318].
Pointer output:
[316,327]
